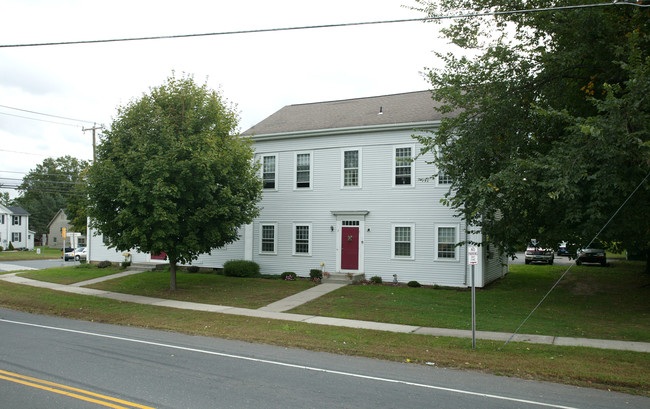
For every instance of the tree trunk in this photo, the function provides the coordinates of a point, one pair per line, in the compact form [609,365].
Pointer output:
[172,275]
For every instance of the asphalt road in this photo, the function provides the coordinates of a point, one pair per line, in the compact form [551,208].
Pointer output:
[34,264]
[143,368]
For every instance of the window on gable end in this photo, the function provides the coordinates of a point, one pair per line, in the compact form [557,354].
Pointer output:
[269,172]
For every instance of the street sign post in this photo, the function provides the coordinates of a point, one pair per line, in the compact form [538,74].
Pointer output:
[472,260]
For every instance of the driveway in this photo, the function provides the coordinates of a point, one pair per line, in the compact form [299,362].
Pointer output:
[559,260]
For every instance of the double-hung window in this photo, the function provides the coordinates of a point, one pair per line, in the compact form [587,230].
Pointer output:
[403,241]
[443,178]
[16,221]
[268,238]
[302,239]
[403,166]
[447,238]
[303,175]
[16,237]
[351,170]
[270,172]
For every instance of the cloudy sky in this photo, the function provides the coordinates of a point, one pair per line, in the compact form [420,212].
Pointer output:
[260,72]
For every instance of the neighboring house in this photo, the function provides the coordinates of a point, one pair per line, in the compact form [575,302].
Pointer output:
[55,233]
[344,187]
[14,228]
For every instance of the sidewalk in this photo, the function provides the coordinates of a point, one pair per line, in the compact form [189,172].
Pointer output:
[276,311]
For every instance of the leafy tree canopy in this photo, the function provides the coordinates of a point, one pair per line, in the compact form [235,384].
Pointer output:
[49,187]
[550,131]
[172,175]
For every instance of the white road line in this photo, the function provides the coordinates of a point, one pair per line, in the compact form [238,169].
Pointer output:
[288,365]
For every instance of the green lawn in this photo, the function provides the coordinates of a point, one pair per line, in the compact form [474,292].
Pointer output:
[591,302]
[46,253]
[72,274]
[207,288]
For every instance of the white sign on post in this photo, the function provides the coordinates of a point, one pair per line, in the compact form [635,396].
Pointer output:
[472,255]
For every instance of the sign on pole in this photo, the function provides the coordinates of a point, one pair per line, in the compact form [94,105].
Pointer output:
[472,259]
[472,255]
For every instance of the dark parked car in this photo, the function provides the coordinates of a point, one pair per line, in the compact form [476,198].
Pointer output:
[591,255]
[65,255]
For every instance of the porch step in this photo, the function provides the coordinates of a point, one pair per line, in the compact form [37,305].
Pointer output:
[143,266]
[342,278]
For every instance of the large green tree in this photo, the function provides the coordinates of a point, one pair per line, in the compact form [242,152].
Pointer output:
[50,186]
[548,131]
[172,174]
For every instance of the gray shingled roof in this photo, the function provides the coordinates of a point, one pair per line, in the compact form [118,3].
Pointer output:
[18,211]
[410,107]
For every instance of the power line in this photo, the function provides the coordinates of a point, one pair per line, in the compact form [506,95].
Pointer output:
[40,120]
[294,28]
[24,153]
[44,114]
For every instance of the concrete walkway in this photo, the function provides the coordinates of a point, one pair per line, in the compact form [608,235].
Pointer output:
[276,311]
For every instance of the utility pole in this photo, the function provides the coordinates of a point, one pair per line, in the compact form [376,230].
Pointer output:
[94,128]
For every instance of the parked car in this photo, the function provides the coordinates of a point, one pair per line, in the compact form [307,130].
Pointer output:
[562,250]
[592,255]
[77,254]
[66,253]
[538,254]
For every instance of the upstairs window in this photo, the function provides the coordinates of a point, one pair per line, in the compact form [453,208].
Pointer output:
[16,221]
[303,171]
[352,168]
[269,172]
[403,166]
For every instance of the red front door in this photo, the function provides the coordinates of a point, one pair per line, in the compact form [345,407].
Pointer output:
[350,248]
[159,256]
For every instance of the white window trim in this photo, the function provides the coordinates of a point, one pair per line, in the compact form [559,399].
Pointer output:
[435,244]
[438,183]
[293,241]
[412,184]
[359,167]
[311,170]
[277,167]
[392,241]
[275,238]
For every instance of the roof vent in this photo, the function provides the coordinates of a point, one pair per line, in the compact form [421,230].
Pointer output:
[381,111]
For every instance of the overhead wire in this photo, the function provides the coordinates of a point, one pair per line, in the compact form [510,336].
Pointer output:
[44,114]
[321,26]
[40,120]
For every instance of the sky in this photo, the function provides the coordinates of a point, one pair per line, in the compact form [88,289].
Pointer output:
[259,73]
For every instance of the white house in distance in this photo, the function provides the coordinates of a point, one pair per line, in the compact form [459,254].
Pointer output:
[344,188]
[14,228]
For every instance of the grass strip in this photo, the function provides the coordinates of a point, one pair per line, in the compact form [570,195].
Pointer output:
[207,288]
[71,274]
[622,371]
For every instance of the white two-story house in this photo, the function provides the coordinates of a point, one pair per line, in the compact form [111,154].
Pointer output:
[14,228]
[345,189]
